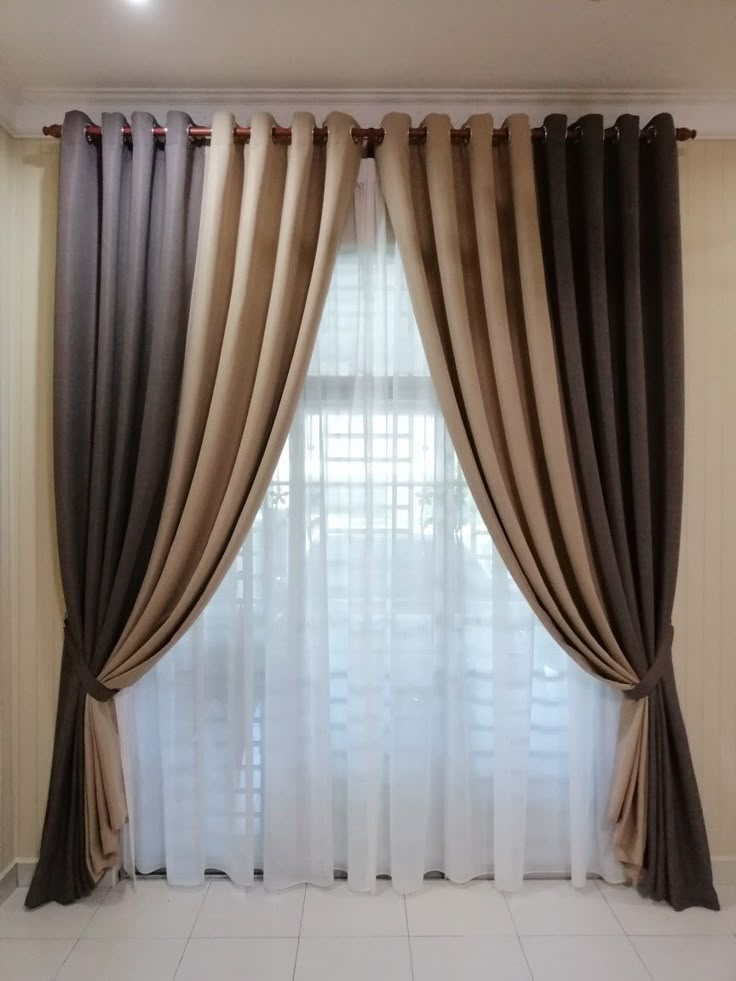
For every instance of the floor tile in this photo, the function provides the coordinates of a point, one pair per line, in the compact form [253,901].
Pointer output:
[32,960]
[583,958]
[446,909]
[642,917]
[49,922]
[468,959]
[338,911]
[688,958]
[353,959]
[459,932]
[122,960]
[552,907]
[230,959]
[231,911]
[147,909]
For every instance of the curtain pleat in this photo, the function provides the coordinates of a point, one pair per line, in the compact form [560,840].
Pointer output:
[543,429]
[610,216]
[127,221]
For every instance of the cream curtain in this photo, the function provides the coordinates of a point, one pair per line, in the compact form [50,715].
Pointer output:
[466,223]
[272,217]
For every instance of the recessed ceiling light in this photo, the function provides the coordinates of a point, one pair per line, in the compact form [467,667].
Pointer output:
[137,3]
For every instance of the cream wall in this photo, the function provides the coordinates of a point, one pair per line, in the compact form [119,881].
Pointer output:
[7,734]
[705,613]
[31,616]
[30,603]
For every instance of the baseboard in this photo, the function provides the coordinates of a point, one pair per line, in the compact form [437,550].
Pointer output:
[25,867]
[724,870]
[8,881]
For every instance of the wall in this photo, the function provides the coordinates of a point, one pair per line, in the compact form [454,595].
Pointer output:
[7,730]
[30,617]
[30,599]
[705,613]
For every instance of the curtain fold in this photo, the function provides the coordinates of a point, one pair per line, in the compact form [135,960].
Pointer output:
[127,229]
[271,220]
[467,224]
[611,234]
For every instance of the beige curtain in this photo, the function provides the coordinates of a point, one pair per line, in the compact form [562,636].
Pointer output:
[466,222]
[271,222]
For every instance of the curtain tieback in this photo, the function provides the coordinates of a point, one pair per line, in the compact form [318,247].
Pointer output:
[661,663]
[86,679]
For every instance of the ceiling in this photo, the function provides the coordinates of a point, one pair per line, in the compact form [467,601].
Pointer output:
[378,43]
[685,45]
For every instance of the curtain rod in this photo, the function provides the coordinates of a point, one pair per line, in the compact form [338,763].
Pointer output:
[371,136]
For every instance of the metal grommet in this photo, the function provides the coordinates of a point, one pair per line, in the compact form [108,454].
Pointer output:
[196,140]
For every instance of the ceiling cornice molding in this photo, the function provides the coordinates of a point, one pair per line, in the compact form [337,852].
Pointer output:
[712,112]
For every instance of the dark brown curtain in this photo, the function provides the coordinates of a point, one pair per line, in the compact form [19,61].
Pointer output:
[127,235]
[609,214]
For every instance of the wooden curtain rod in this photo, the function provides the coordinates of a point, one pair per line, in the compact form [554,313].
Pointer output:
[371,136]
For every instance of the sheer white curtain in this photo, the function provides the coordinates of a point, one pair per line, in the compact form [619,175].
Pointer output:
[368,691]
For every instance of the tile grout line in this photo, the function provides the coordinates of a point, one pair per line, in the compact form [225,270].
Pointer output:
[299,935]
[408,939]
[97,910]
[191,929]
[623,930]
[69,954]
[79,937]
[517,934]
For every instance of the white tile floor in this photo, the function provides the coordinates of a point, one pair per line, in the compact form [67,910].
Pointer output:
[547,932]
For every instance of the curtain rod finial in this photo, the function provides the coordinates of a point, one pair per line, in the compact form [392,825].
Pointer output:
[682,134]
